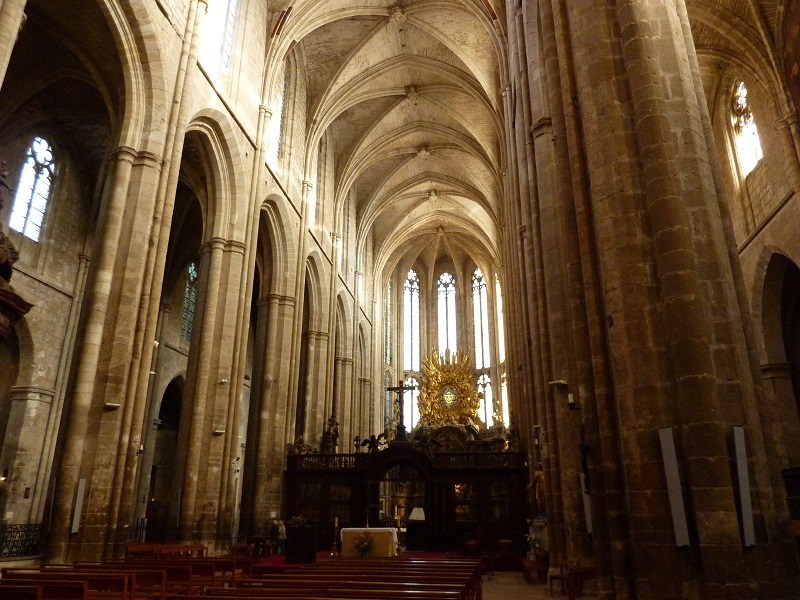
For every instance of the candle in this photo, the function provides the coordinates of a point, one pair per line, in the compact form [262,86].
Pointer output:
[336,521]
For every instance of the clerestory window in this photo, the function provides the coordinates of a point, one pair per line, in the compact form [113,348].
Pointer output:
[189,302]
[480,314]
[230,29]
[446,287]
[745,132]
[33,190]
[411,332]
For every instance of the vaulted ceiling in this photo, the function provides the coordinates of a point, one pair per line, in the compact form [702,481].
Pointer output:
[408,94]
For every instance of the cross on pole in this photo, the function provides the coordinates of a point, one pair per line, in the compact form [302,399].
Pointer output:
[400,432]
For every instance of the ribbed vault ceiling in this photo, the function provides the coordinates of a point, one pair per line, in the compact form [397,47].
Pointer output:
[408,93]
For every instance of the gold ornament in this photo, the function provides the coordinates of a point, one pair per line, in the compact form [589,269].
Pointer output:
[448,395]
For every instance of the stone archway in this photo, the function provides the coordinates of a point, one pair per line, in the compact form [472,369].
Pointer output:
[781,330]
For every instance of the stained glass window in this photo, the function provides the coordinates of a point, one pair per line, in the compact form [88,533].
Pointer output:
[748,144]
[411,404]
[480,314]
[411,332]
[33,190]
[230,27]
[447,312]
[388,325]
[486,407]
[189,302]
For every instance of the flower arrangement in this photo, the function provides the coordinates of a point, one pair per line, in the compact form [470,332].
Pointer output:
[297,521]
[363,544]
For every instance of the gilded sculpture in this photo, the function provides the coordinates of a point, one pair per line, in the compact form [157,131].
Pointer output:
[448,395]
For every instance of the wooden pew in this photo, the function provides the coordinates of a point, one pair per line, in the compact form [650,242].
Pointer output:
[21,592]
[150,584]
[51,590]
[467,572]
[322,592]
[101,586]
[202,571]
[149,549]
[312,583]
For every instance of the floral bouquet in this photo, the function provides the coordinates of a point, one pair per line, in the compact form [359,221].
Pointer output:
[297,521]
[363,544]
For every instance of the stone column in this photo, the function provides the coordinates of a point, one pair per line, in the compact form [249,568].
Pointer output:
[200,394]
[12,18]
[251,521]
[786,126]
[21,452]
[276,419]
[676,344]
[98,298]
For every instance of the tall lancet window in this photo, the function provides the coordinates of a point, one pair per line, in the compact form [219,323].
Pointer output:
[189,302]
[411,354]
[33,191]
[388,325]
[411,404]
[447,312]
[480,314]
[748,144]
[486,407]
[230,28]
[501,332]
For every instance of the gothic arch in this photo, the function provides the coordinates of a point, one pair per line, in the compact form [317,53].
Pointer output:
[225,167]
[283,249]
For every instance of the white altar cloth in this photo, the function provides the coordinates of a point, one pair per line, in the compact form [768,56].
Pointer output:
[385,540]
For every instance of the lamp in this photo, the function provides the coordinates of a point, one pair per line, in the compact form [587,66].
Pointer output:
[417,514]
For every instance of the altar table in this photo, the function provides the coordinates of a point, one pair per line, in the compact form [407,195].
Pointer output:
[385,540]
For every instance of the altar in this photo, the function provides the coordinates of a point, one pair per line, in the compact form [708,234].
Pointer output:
[385,540]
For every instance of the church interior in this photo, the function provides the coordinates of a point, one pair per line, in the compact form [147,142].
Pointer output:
[455,267]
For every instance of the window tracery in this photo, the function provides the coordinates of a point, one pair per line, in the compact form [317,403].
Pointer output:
[747,141]
[230,28]
[411,330]
[33,190]
[446,287]
[189,302]
[480,313]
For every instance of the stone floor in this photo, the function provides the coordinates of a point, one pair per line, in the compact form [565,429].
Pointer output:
[510,585]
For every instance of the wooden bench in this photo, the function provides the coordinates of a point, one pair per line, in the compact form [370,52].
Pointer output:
[49,590]
[21,592]
[150,584]
[148,549]
[331,584]
[102,586]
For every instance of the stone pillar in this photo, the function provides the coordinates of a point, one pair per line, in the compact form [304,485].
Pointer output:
[786,126]
[276,420]
[201,442]
[12,18]
[672,328]
[251,517]
[21,453]
[98,299]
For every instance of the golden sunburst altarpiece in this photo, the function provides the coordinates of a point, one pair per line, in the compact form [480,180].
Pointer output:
[448,395]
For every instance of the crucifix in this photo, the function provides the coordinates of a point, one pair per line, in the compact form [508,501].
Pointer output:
[400,432]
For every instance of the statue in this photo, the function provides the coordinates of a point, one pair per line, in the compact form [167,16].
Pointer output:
[299,447]
[330,436]
[374,443]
